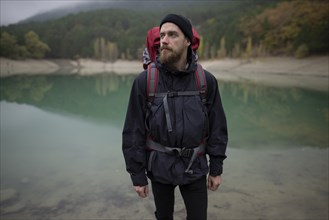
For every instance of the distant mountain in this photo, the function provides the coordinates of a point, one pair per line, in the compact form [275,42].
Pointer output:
[135,5]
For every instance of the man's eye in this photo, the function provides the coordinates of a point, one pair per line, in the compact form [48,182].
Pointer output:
[173,34]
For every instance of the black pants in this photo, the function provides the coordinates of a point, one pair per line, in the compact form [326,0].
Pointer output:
[195,197]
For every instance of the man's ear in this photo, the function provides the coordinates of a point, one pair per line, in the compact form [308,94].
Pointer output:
[188,42]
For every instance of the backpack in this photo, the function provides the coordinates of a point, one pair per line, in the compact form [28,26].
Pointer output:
[150,52]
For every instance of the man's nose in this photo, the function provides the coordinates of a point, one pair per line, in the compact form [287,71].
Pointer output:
[164,39]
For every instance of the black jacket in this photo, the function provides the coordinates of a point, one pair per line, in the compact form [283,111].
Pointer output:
[186,131]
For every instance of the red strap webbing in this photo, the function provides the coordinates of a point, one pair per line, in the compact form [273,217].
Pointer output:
[201,82]
[152,79]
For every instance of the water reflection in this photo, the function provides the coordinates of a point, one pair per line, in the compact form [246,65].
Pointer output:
[258,115]
[61,151]
[261,116]
[102,97]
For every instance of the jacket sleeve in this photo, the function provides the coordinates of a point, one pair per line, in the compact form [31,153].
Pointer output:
[218,137]
[134,133]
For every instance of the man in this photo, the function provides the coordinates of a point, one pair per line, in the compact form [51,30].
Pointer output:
[162,136]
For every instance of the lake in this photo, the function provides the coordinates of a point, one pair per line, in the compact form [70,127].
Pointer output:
[61,152]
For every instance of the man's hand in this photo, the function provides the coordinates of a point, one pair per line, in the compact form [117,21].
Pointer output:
[142,191]
[214,182]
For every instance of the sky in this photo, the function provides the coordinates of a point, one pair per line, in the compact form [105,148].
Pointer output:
[13,11]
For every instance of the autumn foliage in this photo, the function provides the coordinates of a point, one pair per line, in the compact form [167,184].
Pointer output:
[290,27]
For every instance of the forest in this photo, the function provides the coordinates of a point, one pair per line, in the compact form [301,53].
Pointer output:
[227,29]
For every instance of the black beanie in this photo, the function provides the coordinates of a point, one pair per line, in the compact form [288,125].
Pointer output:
[182,22]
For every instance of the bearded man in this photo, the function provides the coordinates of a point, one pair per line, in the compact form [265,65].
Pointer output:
[167,138]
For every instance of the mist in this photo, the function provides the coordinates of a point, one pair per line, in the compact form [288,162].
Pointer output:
[14,11]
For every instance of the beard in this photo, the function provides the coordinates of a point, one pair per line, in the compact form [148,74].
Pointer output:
[168,56]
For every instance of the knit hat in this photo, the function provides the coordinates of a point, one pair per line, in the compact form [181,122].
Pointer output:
[182,22]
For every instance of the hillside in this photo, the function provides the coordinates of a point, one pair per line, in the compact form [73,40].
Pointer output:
[227,29]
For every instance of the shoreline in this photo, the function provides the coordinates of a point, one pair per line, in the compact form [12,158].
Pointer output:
[311,72]
[11,67]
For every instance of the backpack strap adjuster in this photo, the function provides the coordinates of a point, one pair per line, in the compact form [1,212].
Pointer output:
[172,94]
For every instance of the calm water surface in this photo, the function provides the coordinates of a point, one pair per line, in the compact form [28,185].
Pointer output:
[61,151]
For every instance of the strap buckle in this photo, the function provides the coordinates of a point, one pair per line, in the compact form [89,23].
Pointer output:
[186,152]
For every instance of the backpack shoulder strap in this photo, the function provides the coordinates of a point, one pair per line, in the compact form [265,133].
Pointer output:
[201,83]
[152,80]
[153,76]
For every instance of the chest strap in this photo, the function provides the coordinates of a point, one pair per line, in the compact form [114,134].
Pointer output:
[166,106]
[176,151]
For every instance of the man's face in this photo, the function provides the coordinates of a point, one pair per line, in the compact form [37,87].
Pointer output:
[173,44]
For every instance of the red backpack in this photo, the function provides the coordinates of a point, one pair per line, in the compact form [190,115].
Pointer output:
[149,55]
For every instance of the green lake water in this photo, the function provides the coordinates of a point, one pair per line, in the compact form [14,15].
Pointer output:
[61,152]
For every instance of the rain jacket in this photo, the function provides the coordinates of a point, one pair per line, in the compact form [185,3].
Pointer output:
[192,123]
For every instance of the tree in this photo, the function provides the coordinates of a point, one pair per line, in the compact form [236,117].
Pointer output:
[102,48]
[96,49]
[35,47]
[113,52]
[249,49]
[222,49]
[213,51]
[8,45]
[236,52]
[105,50]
